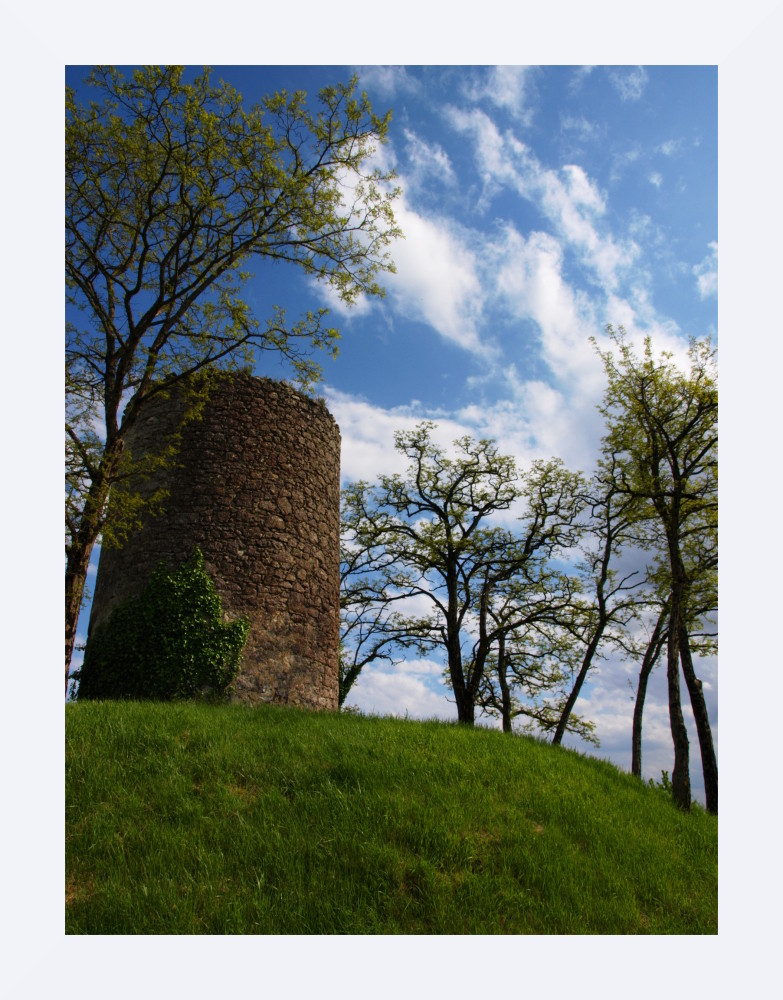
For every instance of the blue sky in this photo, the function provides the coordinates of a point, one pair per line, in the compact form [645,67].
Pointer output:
[538,205]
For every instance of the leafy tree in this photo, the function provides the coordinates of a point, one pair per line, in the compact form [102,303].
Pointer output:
[169,642]
[433,553]
[172,189]
[662,425]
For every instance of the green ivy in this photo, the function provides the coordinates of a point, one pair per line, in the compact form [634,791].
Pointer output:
[169,642]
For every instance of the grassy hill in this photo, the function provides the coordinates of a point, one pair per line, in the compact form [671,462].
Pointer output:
[189,818]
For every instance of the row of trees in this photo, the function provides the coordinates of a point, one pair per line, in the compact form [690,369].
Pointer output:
[524,579]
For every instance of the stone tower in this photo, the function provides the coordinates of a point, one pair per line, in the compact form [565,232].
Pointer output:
[256,486]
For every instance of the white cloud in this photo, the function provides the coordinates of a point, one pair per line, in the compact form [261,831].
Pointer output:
[529,419]
[504,421]
[643,230]
[493,159]
[582,191]
[421,667]
[437,280]
[537,422]
[568,198]
[437,277]
[707,273]
[427,160]
[558,416]
[655,179]
[412,689]
[529,277]
[506,87]
[367,433]
[629,85]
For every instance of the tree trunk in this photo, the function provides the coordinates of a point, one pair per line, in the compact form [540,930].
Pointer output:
[709,763]
[346,678]
[650,658]
[466,709]
[580,679]
[75,580]
[82,544]
[681,779]
[503,682]
[464,697]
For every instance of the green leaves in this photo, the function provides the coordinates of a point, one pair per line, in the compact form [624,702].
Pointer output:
[169,642]
[662,425]
[661,452]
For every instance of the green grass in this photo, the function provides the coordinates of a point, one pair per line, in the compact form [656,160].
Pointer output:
[189,818]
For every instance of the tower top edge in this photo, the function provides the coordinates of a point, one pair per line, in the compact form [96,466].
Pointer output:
[263,383]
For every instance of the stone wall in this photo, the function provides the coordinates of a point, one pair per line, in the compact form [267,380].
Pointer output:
[256,487]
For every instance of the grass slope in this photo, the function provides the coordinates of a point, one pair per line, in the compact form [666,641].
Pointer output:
[188,818]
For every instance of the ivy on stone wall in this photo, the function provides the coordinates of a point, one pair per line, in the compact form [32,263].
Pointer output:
[169,642]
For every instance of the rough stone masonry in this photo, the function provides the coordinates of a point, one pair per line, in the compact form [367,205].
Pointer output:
[256,486]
